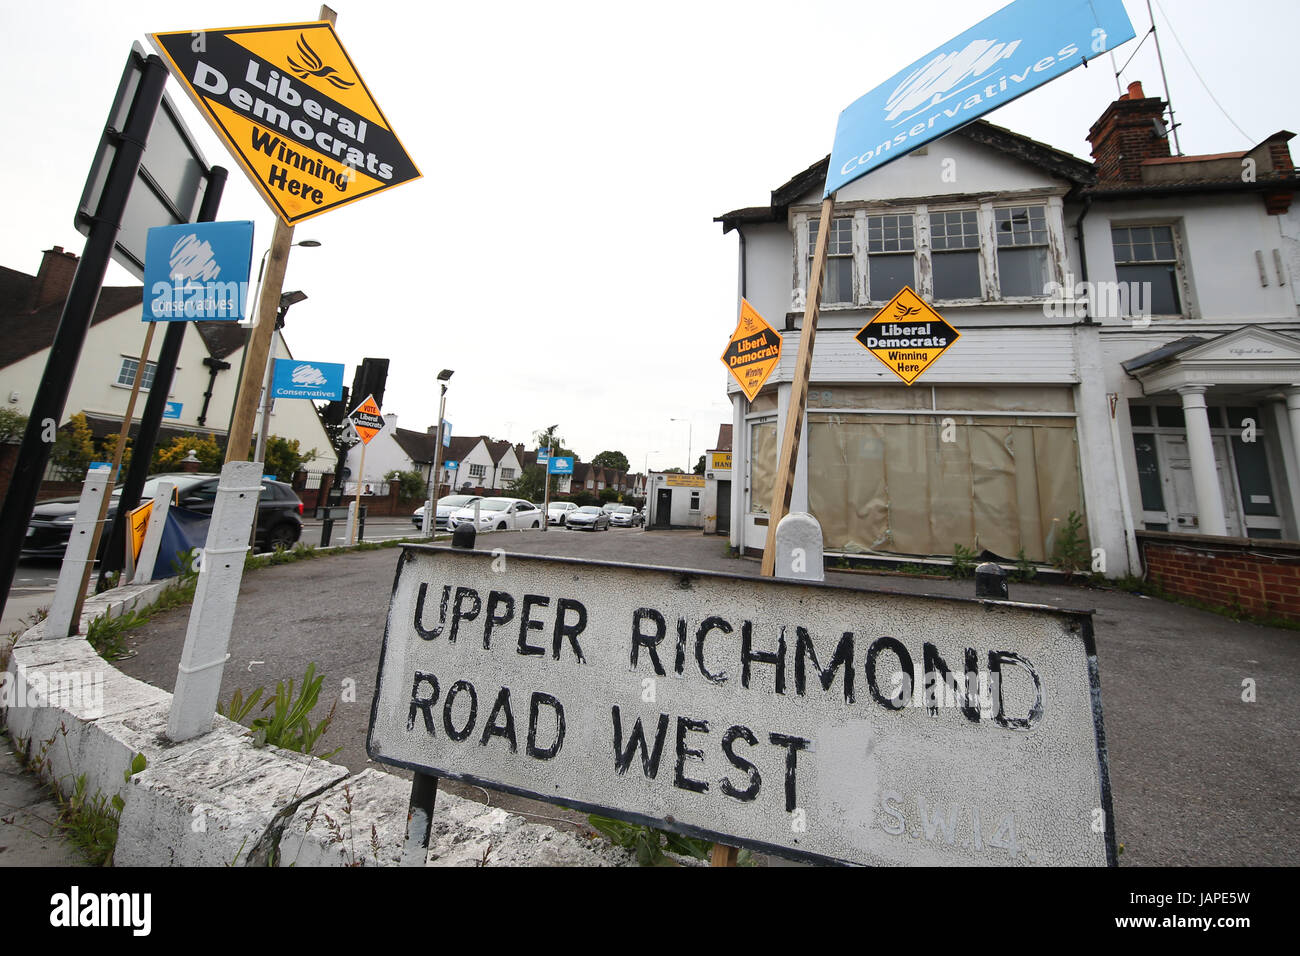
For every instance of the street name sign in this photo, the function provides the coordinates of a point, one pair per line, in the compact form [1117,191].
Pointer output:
[198,272]
[366,420]
[810,720]
[907,335]
[1024,45]
[293,110]
[753,351]
[320,381]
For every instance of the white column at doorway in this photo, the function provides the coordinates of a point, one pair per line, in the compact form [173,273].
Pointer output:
[1294,420]
[1200,449]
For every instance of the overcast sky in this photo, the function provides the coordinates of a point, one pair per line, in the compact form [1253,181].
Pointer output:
[560,252]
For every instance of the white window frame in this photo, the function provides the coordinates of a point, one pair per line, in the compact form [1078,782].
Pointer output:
[1185,298]
[146,381]
[923,255]
[478,471]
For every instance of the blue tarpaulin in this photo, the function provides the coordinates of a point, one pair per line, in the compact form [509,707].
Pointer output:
[184,531]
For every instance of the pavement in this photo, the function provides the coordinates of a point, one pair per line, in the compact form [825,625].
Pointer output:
[1200,775]
[29,835]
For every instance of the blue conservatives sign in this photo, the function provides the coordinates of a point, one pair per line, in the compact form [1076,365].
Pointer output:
[322,381]
[560,465]
[197,271]
[1019,48]
[451,465]
[172,409]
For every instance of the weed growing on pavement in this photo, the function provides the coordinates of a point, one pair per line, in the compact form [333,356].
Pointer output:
[1025,570]
[650,844]
[963,561]
[288,725]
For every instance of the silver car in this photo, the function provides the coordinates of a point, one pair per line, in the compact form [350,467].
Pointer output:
[499,514]
[588,519]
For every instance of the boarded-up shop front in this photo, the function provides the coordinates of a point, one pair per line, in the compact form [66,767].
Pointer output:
[918,471]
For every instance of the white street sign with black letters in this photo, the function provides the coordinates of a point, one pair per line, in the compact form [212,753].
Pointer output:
[809,720]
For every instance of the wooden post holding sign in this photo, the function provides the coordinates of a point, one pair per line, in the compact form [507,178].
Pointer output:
[803,719]
[368,423]
[784,478]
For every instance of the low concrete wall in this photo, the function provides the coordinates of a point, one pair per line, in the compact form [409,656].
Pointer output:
[216,800]
[1260,577]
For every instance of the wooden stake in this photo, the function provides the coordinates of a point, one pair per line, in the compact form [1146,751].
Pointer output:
[723,855]
[74,624]
[361,467]
[259,345]
[784,484]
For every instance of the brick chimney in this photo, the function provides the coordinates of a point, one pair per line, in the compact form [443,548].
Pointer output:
[1126,134]
[54,280]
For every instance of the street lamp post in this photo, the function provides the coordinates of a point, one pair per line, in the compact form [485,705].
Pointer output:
[286,300]
[430,523]
[690,427]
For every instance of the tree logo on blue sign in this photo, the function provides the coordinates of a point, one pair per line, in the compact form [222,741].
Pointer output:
[198,272]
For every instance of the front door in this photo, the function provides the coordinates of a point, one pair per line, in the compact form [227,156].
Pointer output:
[724,507]
[664,508]
[1180,493]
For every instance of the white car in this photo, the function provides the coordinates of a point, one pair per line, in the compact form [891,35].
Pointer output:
[559,511]
[447,505]
[499,514]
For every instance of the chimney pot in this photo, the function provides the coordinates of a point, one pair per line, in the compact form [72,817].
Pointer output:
[1135,90]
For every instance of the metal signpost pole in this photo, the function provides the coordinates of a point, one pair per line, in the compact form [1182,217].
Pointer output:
[52,393]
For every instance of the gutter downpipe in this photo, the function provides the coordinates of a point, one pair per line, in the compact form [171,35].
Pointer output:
[1083,254]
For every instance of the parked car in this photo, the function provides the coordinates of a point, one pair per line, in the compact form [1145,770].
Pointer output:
[589,518]
[625,516]
[499,514]
[279,513]
[447,505]
[559,511]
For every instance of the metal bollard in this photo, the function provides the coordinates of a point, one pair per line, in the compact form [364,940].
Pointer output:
[463,536]
[991,582]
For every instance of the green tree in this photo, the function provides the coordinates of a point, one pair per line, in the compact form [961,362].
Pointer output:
[699,466]
[13,425]
[410,483]
[611,459]
[283,457]
[530,483]
[169,457]
[108,448]
[74,447]
[673,471]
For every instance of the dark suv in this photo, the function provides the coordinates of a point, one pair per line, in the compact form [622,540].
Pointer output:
[279,513]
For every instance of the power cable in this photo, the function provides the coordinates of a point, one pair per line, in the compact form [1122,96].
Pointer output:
[1249,139]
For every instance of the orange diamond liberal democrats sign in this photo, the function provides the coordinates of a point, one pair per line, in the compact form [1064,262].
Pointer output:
[367,420]
[907,335]
[293,111]
[754,350]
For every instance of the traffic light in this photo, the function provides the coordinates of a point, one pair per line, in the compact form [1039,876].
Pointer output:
[370,377]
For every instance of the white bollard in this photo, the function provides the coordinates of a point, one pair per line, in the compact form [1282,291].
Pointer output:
[429,522]
[352,523]
[77,555]
[799,548]
[221,569]
[162,500]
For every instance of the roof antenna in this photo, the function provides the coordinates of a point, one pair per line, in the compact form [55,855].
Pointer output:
[1173,124]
